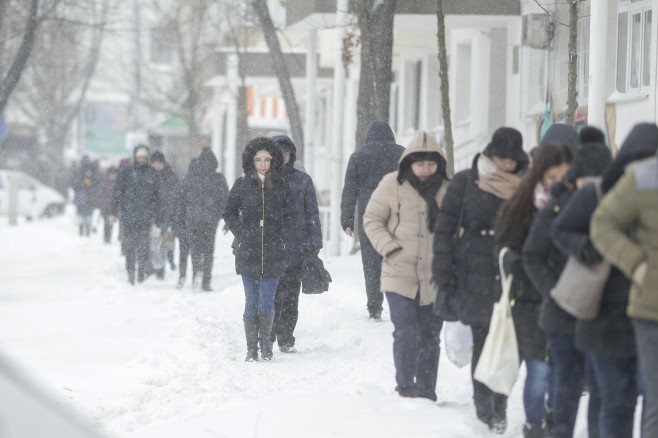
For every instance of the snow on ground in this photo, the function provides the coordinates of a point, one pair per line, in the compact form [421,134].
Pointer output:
[151,361]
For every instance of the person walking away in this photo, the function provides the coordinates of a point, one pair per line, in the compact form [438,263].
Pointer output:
[624,228]
[399,221]
[175,224]
[137,198]
[168,181]
[85,184]
[467,267]
[511,229]
[304,243]
[202,203]
[543,263]
[365,168]
[261,214]
[103,200]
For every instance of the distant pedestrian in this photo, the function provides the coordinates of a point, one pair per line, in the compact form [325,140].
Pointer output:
[85,183]
[202,201]
[261,214]
[168,181]
[137,198]
[366,167]
[176,225]
[400,220]
[103,201]
[305,243]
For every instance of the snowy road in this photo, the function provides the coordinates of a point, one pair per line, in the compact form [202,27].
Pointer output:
[152,361]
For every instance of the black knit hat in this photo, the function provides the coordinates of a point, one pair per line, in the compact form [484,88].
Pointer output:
[157,157]
[506,142]
[592,158]
[560,133]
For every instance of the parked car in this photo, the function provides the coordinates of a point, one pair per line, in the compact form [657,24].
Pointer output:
[35,200]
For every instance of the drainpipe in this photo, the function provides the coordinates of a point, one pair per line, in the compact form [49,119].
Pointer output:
[336,230]
[311,81]
[597,63]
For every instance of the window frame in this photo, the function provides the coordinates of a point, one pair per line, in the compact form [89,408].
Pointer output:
[634,48]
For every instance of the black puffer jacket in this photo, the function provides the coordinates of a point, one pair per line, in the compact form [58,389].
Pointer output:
[204,192]
[468,266]
[610,334]
[261,217]
[366,167]
[137,196]
[544,263]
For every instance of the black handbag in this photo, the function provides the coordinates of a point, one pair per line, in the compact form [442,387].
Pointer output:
[315,278]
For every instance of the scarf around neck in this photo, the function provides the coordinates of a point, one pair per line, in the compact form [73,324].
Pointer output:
[495,181]
[427,190]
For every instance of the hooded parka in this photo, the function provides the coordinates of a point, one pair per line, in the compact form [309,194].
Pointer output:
[395,221]
[261,216]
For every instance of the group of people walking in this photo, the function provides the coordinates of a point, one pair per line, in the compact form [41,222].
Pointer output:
[430,245]
[437,240]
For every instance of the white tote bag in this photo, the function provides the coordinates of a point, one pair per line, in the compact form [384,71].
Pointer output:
[499,362]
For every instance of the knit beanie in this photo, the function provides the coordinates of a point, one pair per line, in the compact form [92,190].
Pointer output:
[157,156]
[560,133]
[592,158]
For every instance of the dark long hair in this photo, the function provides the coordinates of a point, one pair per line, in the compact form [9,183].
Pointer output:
[510,224]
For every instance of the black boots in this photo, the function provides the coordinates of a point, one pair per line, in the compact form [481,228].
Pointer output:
[251,333]
[264,329]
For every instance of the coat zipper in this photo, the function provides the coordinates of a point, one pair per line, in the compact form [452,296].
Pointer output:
[262,234]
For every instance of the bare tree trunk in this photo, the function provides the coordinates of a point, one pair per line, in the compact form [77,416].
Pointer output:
[448,142]
[282,74]
[20,61]
[572,92]
[376,24]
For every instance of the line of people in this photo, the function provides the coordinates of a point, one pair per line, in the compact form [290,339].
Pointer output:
[431,233]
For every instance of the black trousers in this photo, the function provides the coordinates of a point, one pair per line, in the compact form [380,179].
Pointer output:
[286,307]
[202,242]
[107,229]
[416,338]
[184,253]
[135,246]
[490,407]
[372,271]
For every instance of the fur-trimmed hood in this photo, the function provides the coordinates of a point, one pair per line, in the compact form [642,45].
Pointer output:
[255,145]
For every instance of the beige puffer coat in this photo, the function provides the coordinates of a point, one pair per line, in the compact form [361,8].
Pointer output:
[396,217]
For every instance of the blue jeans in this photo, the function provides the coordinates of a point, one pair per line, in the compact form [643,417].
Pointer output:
[566,382]
[617,382]
[259,295]
[415,343]
[646,339]
[536,388]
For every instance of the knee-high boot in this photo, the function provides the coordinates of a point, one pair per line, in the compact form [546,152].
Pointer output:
[251,333]
[264,329]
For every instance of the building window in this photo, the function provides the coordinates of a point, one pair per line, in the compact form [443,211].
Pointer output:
[633,46]
[413,79]
[162,45]
[583,53]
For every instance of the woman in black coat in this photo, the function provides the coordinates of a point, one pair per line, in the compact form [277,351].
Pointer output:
[607,340]
[544,263]
[514,221]
[261,214]
[466,266]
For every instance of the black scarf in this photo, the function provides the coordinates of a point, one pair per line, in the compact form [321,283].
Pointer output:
[427,190]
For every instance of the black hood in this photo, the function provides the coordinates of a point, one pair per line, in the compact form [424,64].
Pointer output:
[258,144]
[592,158]
[284,142]
[379,132]
[207,162]
[641,142]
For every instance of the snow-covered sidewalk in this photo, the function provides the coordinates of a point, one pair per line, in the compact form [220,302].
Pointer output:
[153,361]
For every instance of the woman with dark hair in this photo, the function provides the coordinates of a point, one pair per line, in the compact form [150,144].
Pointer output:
[465,265]
[514,221]
[399,221]
[543,263]
[261,214]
